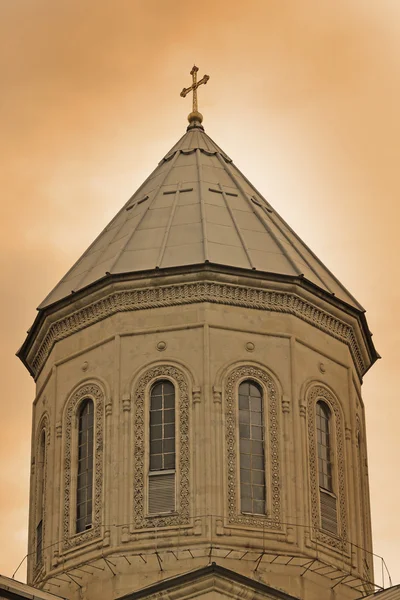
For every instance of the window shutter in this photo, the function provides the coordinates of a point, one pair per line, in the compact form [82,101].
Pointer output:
[328,512]
[161,493]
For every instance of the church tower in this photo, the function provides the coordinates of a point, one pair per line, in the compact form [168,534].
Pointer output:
[198,402]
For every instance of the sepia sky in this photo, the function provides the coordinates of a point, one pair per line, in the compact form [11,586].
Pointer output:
[304,95]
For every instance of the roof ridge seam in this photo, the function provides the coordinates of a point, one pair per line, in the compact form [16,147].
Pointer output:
[142,217]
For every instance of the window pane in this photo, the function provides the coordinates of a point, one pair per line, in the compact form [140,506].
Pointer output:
[244,431]
[169,431]
[245,476]
[156,447]
[156,403]
[258,477]
[168,388]
[243,401]
[169,461]
[252,478]
[156,462]
[169,416]
[156,417]
[244,416]
[169,401]
[156,390]
[259,507]
[156,432]
[169,445]
[247,505]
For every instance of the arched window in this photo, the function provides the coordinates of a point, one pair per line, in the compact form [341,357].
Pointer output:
[328,507]
[252,458]
[162,448]
[40,497]
[84,484]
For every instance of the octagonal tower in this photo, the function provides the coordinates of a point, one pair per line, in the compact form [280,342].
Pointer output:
[198,377]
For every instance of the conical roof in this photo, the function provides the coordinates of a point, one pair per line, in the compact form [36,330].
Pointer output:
[197,207]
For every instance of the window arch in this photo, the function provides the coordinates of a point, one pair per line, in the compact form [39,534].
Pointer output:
[162,448]
[252,456]
[85,454]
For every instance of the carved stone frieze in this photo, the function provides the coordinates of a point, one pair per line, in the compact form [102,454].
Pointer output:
[187,293]
[94,392]
[337,542]
[141,404]
[273,519]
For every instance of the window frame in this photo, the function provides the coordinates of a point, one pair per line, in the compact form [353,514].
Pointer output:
[40,491]
[80,408]
[154,473]
[257,384]
[330,460]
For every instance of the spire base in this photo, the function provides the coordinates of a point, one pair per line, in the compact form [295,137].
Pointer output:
[195,120]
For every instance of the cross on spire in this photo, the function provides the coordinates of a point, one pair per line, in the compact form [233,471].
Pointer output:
[194,115]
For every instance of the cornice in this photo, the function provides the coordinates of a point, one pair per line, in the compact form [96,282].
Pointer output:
[176,294]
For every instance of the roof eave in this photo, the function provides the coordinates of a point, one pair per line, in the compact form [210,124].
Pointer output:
[156,274]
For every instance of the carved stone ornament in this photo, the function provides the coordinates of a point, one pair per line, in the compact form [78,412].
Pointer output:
[141,404]
[188,293]
[273,519]
[95,393]
[338,542]
[44,426]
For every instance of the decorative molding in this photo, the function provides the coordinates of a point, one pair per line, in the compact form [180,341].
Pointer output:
[362,482]
[217,393]
[59,429]
[141,404]
[196,394]
[188,293]
[339,542]
[285,404]
[126,402]
[273,519]
[94,392]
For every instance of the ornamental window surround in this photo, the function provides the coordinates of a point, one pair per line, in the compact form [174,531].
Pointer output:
[327,477]
[267,513]
[83,472]
[170,505]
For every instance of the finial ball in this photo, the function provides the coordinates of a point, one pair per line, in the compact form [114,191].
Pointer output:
[195,116]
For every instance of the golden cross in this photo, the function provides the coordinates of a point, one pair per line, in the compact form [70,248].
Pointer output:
[194,86]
